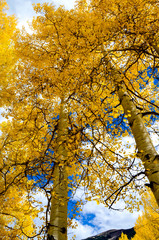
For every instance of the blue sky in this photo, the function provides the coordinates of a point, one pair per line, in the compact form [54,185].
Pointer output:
[94,218]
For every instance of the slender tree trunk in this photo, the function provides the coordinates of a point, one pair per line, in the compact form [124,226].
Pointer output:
[146,149]
[58,216]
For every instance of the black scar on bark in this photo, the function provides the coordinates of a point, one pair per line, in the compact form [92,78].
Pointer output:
[150,185]
[50,237]
[130,124]
[63,230]
[147,156]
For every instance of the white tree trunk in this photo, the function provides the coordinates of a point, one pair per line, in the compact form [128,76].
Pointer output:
[58,216]
[146,149]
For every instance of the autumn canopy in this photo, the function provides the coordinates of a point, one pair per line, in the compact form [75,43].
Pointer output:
[72,91]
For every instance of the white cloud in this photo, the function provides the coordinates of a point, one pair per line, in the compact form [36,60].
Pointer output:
[107,219]
[95,219]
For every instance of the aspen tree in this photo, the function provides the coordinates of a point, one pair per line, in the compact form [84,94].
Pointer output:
[48,72]
[52,65]
[146,149]
[130,49]
[58,216]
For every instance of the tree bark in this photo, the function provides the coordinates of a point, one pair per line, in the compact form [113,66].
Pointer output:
[58,217]
[146,149]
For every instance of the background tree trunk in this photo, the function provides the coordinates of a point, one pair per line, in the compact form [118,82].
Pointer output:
[146,149]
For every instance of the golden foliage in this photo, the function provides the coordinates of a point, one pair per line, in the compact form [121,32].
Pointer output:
[7,54]
[147,225]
